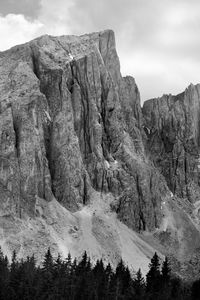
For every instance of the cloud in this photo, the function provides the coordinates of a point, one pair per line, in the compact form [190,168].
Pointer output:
[29,8]
[55,15]
[160,74]
[15,29]
[157,41]
[101,14]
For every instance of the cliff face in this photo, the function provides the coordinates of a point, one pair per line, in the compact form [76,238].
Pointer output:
[71,124]
[78,156]
[173,140]
[171,124]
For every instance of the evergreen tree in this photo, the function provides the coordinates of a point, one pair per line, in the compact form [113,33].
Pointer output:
[59,276]
[69,271]
[48,262]
[27,278]
[82,264]
[99,280]
[82,272]
[108,276]
[74,279]
[108,272]
[61,280]
[14,277]
[153,278]
[195,290]
[68,263]
[139,285]
[47,276]
[166,271]
[165,280]
[176,290]
[4,276]
[117,289]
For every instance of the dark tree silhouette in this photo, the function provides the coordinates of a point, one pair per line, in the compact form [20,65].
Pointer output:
[153,278]
[59,279]
[139,285]
[195,290]
[166,271]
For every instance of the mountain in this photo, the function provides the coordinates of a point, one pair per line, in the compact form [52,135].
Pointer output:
[84,167]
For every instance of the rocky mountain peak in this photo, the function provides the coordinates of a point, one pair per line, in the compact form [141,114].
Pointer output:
[76,125]
[82,164]
[173,140]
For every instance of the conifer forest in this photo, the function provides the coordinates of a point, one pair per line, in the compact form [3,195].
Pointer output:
[62,279]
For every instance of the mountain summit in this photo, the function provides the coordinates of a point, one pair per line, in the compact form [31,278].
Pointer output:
[83,167]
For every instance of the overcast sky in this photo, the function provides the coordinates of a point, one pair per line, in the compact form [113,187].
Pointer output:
[158,41]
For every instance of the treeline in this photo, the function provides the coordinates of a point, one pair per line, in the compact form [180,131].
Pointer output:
[58,279]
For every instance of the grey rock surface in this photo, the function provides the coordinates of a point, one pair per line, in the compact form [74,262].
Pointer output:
[173,140]
[74,125]
[79,157]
